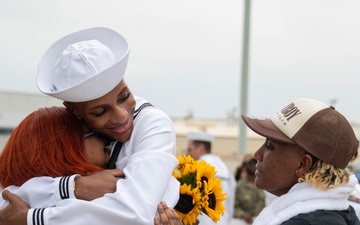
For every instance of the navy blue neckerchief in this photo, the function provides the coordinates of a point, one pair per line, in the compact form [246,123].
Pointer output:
[112,162]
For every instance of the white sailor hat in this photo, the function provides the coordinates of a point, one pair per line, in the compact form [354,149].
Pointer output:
[84,65]
[199,136]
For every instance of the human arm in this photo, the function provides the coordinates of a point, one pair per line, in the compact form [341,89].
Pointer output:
[134,202]
[97,185]
[167,216]
[40,192]
[43,191]
[108,210]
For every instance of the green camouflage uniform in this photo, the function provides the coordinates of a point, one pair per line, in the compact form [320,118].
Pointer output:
[249,199]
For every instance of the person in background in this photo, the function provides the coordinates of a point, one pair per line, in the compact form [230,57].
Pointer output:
[304,162]
[199,148]
[86,70]
[239,170]
[237,174]
[249,200]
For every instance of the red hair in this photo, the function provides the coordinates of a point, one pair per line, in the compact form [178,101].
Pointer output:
[48,142]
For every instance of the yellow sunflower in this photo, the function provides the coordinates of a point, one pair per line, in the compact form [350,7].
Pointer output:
[184,161]
[213,199]
[200,191]
[204,172]
[189,204]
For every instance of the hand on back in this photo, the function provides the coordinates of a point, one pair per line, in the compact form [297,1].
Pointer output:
[97,185]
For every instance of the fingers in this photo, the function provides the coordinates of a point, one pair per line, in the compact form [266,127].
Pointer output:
[167,215]
[14,199]
[163,216]
[117,173]
[7,195]
[156,221]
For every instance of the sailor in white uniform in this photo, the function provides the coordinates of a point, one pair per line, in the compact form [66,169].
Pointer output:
[199,147]
[147,157]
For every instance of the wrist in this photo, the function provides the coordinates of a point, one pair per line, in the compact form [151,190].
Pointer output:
[80,188]
[76,186]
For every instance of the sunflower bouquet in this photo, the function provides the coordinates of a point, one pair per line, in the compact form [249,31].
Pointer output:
[200,190]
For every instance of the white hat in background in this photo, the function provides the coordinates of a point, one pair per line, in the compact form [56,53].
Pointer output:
[84,65]
[200,136]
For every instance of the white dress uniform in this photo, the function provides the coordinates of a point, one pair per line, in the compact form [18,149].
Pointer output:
[147,160]
[228,185]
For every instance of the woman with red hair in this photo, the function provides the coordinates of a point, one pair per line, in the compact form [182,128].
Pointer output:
[50,142]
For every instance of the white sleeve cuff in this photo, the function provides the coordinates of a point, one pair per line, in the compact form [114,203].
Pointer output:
[66,187]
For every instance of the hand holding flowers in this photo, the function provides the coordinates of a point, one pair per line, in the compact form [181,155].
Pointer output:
[200,190]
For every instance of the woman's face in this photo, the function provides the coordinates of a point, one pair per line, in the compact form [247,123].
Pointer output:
[95,150]
[110,115]
[276,167]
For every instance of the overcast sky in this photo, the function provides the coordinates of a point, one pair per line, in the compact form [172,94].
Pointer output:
[186,55]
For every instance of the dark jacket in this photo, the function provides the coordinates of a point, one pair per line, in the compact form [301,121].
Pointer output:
[322,217]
